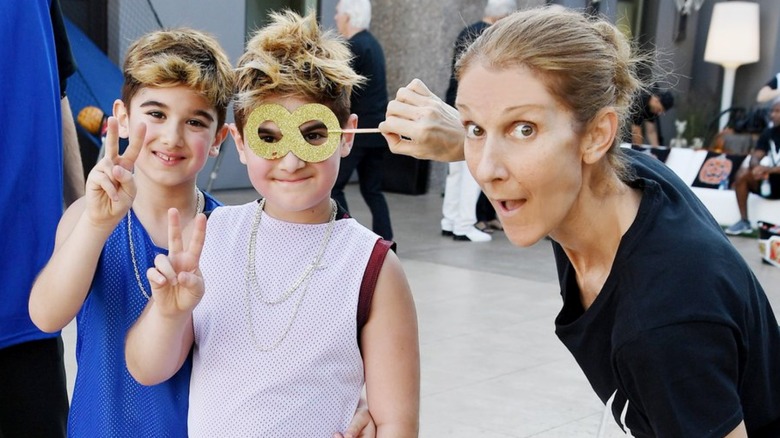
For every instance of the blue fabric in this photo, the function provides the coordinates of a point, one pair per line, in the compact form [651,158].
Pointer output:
[31,177]
[98,81]
[107,401]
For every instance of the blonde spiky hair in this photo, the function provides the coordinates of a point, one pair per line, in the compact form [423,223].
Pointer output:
[293,56]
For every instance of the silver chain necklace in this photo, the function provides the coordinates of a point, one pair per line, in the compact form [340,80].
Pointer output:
[250,276]
[199,206]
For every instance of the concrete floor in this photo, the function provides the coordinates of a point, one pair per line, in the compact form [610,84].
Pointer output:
[491,364]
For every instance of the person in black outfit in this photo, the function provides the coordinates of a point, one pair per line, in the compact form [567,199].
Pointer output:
[644,119]
[466,214]
[762,176]
[770,91]
[663,315]
[368,103]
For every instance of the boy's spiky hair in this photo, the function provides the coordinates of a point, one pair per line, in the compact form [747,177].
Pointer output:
[293,56]
[181,56]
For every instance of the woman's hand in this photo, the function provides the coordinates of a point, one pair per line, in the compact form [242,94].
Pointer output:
[421,125]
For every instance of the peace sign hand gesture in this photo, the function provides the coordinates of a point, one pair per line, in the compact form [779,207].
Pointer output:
[110,185]
[176,280]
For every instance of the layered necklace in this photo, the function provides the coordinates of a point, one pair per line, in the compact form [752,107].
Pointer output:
[250,276]
[199,206]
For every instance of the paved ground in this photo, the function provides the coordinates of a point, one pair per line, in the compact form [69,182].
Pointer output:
[491,364]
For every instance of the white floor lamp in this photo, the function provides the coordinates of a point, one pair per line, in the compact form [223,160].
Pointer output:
[732,41]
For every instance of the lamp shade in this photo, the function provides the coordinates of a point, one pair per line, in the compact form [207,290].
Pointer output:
[733,36]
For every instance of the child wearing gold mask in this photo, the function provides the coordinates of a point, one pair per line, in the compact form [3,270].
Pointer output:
[299,298]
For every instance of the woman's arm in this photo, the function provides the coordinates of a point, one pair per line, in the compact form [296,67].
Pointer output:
[391,354]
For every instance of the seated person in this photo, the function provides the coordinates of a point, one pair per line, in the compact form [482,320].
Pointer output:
[763,173]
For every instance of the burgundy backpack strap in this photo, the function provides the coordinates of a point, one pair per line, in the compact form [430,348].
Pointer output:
[374,266]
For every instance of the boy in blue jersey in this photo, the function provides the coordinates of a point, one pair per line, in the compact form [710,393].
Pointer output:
[178,84]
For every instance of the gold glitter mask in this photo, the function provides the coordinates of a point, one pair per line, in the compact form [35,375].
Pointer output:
[272,142]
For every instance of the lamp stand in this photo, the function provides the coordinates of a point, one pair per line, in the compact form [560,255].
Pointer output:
[729,74]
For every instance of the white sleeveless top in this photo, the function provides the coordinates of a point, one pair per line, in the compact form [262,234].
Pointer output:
[310,383]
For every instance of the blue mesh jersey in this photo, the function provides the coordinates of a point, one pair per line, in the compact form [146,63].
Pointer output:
[107,401]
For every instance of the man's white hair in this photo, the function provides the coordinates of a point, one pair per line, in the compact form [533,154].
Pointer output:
[500,8]
[359,12]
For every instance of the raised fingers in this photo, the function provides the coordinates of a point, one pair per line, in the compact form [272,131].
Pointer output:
[175,244]
[195,246]
[111,144]
[137,136]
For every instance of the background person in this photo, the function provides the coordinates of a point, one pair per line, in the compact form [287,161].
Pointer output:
[670,353]
[762,176]
[36,63]
[644,119]
[369,102]
[769,91]
[461,191]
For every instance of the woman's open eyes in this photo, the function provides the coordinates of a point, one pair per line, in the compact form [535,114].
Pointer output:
[523,130]
[474,131]
[520,130]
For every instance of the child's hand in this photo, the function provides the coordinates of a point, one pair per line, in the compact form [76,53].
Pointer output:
[176,280]
[110,186]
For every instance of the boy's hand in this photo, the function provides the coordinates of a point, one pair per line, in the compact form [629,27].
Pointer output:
[176,280]
[110,186]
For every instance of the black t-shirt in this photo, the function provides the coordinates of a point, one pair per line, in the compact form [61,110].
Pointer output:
[681,340]
[369,101]
[763,143]
[462,42]
[773,82]
[642,112]
[66,65]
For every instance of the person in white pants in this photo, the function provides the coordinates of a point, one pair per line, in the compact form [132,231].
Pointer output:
[459,209]
[461,191]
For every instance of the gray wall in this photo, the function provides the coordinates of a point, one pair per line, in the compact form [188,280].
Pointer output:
[224,19]
[417,36]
